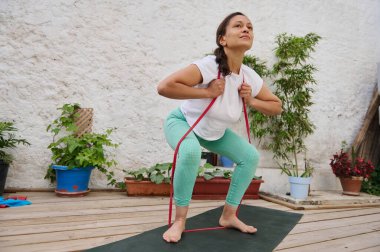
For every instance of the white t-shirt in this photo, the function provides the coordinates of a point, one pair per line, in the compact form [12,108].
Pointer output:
[227,108]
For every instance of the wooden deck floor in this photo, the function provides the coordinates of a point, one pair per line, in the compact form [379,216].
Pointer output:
[71,224]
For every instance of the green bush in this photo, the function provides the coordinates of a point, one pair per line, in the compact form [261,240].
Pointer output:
[372,185]
[86,150]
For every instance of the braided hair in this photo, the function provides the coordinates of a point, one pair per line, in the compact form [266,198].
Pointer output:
[221,57]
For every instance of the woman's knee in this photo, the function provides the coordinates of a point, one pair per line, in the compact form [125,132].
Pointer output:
[251,157]
[190,150]
[255,156]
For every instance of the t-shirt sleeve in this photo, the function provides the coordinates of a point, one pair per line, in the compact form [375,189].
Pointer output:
[208,68]
[257,82]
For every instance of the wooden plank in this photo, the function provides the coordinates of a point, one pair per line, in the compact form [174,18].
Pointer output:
[299,207]
[372,109]
[70,245]
[368,242]
[328,224]
[63,206]
[30,239]
[371,249]
[65,225]
[339,215]
[90,211]
[105,216]
[19,220]
[307,238]
[115,202]
[86,208]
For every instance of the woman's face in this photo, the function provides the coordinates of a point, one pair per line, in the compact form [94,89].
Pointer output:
[239,34]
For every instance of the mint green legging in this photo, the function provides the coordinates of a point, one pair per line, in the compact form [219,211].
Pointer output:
[230,145]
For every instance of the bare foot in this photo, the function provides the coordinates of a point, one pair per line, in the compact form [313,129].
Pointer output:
[233,222]
[173,234]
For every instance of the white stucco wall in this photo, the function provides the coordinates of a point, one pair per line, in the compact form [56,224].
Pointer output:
[110,55]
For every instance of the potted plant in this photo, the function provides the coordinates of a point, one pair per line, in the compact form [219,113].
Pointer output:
[351,171]
[74,155]
[211,182]
[8,140]
[152,181]
[293,78]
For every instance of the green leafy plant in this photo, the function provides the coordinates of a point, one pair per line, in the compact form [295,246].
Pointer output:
[290,169]
[258,121]
[208,171]
[9,140]
[86,150]
[257,64]
[372,184]
[158,173]
[293,78]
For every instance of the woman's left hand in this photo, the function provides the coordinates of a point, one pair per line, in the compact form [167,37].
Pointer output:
[245,91]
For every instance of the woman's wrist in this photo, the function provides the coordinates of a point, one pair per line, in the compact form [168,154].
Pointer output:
[251,102]
[206,93]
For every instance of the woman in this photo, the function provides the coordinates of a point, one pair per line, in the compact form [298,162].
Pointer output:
[198,84]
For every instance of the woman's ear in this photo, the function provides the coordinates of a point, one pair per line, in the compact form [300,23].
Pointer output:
[222,41]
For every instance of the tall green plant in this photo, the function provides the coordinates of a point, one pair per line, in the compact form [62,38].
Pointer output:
[258,121]
[9,140]
[293,80]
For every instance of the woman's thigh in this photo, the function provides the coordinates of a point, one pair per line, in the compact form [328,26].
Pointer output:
[230,145]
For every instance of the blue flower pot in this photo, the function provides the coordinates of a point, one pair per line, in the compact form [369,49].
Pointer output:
[226,162]
[299,187]
[72,182]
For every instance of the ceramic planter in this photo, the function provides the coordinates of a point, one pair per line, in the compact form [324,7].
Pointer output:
[299,187]
[351,185]
[72,182]
[214,189]
[4,167]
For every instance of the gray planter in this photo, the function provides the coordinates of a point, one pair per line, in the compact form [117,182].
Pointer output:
[4,167]
[299,187]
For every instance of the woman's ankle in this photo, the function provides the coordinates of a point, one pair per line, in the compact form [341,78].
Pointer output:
[229,210]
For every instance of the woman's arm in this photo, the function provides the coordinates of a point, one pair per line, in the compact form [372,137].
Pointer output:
[266,102]
[180,85]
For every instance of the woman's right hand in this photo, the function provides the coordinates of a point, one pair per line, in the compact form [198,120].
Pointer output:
[216,87]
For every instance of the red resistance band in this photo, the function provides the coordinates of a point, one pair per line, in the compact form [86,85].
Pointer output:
[175,160]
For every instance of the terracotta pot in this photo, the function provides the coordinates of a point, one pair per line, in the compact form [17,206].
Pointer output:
[351,185]
[214,189]
[217,188]
[146,188]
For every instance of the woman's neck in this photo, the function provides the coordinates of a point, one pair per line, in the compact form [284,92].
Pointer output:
[235,59]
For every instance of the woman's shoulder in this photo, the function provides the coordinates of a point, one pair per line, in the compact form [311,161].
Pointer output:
[253,78]
[207,60]
[247,70]
[208,68]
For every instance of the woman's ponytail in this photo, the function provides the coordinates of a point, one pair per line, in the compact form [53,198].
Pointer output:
[221,57]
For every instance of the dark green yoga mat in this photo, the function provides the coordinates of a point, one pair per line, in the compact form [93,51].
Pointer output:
[272,225]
